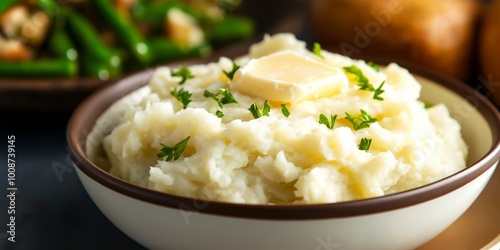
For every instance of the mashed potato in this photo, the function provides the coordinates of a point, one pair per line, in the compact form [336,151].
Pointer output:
[232,156]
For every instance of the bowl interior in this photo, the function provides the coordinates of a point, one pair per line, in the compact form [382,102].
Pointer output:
[462,108]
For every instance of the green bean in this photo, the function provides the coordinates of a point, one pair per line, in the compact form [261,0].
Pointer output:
[61,45]
[165,50]
[5,4]
[53,9]
[153,13]
[103,71]
[49,6]
[39,68]
[124,29]
[230,29]
[90,41]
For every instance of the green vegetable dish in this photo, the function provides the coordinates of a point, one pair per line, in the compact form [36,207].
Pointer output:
[107,38]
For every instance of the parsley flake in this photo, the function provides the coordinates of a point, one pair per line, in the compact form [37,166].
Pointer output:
[364,144]
[173,152]
[227,97]
[324,120]
[364,83]
[266,109]
[208,94]
[184,73]
[285,110]
[362,121]
[182,96]
[222,97]
[230,74]
[317,50]
[254,109]
[374,66]
[219,114]
[378,92]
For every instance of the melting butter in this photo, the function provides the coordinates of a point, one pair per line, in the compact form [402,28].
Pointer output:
[289,77]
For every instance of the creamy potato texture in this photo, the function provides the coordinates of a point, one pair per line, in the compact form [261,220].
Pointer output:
[276,159]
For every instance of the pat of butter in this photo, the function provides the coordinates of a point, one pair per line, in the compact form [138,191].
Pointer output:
[288,77]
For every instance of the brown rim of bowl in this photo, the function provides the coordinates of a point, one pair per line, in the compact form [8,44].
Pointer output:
[84,117]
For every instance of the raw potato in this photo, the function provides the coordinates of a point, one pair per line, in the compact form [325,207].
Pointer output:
[489,52]
[437,34]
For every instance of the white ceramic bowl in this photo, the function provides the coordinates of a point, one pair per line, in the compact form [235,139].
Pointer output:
[403,220]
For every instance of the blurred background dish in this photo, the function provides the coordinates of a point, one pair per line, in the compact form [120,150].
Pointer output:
[452,37]
[438,34]
[457,38]
[489,52]
[54,53]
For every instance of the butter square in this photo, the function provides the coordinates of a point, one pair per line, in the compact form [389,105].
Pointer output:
[288,77]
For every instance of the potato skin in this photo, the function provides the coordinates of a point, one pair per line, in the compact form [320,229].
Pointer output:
[489,52]
[436,34]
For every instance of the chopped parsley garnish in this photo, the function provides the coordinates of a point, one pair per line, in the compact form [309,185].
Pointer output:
[317,50]
[266,109]
[374,66]
[254,109]
[184,73]
[364,144]
[285,110]
[362,121]
[324,120]
[182,96]
[364,83]
[219,114]
[222,97]
[378,92]
[230,74]
[207,94]
[173,152]
[427,105]
[227,97]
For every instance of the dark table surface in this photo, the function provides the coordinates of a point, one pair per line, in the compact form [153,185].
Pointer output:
[52,209]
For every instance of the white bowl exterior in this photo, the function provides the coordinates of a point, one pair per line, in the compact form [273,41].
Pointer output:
[158,227]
